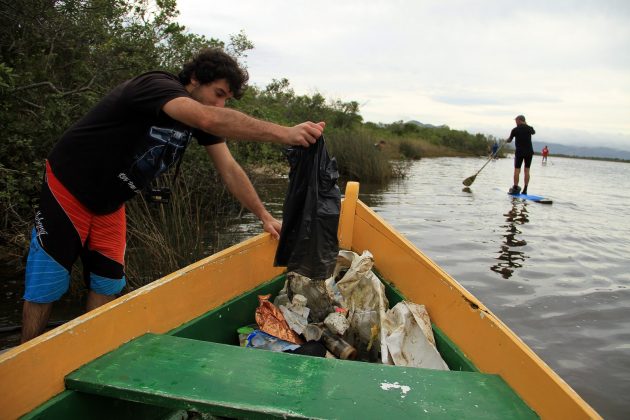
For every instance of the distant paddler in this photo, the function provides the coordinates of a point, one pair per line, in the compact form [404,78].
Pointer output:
[495,150]
[545,154]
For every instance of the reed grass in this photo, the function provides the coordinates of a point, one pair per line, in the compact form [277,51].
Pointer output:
[358,156]
[162,238]
[410,150]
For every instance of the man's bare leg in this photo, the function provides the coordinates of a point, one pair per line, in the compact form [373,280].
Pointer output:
[517,173]
[526,177]
[94,300]
[34,319]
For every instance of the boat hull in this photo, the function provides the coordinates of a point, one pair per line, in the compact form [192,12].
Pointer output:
[171,303]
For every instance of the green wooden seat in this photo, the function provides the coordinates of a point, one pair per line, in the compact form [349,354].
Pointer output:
[225,380]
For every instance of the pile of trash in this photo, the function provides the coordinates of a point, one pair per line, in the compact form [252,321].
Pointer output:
[345,316]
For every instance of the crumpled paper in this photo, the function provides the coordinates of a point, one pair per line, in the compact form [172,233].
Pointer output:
[270,320]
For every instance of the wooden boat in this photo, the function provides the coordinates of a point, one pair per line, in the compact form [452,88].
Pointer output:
[169,348]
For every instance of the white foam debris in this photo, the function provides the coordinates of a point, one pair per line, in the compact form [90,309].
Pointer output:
[386,386]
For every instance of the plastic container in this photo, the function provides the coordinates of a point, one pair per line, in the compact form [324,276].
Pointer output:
[338,346]
[243,332]
[313,332]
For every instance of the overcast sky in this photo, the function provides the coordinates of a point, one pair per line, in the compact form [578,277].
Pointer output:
[473,65]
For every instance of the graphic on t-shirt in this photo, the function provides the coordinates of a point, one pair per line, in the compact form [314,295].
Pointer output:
[163,148]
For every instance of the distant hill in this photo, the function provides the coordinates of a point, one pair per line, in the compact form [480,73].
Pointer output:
[426,125]
[560,149]
[582,151]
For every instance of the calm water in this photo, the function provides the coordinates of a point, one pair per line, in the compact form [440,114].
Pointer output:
[557,275]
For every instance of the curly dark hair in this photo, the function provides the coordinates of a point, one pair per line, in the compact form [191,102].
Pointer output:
[212,64]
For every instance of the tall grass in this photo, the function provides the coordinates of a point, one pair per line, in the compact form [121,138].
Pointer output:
[162,238]
[357,156]
[409,149]
[415,148]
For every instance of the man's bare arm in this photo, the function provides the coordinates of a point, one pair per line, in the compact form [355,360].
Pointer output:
[239,184]
[226,122]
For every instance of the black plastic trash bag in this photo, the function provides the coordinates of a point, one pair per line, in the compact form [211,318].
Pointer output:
[310,216]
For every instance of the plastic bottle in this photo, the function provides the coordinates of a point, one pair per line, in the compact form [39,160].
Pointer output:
[313,332]
[338,346]
[243,332]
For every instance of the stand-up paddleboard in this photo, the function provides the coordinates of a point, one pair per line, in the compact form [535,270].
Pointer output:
[536,198]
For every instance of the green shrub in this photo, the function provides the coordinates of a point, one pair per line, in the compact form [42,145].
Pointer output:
[409,150]
[357,156]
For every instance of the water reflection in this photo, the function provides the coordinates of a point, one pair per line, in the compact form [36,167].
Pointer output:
[378,195]
[510,257]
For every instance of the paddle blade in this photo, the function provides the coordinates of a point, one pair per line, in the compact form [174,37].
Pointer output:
[468,181]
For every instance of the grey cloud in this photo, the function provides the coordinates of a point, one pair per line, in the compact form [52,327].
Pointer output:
[464,99]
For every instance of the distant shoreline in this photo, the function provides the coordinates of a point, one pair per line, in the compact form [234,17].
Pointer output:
[588,158]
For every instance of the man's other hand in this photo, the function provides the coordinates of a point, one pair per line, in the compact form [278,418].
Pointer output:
[304,134]
[273,226]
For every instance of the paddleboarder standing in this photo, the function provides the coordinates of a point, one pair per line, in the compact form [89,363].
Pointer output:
[524,152]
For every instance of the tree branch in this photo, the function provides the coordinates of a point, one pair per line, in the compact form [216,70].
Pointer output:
[88,86]
[36,85]
[32,104]
[55,89]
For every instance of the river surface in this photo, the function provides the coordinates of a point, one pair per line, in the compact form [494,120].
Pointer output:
[558,275]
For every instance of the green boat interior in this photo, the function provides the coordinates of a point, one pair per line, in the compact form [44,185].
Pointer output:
[200,367]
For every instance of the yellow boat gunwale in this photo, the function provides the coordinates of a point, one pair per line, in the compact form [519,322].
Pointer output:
[480,334]
[194,290]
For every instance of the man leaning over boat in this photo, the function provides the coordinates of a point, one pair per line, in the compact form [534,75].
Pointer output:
[134,134]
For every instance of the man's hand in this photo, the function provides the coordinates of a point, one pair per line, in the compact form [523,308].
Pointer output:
[272,226]
[304,134]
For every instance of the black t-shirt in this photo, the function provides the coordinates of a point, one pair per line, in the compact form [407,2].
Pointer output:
[124,142]
[523,134]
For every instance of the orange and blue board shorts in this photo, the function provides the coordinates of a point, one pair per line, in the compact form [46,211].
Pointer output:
[66,230]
